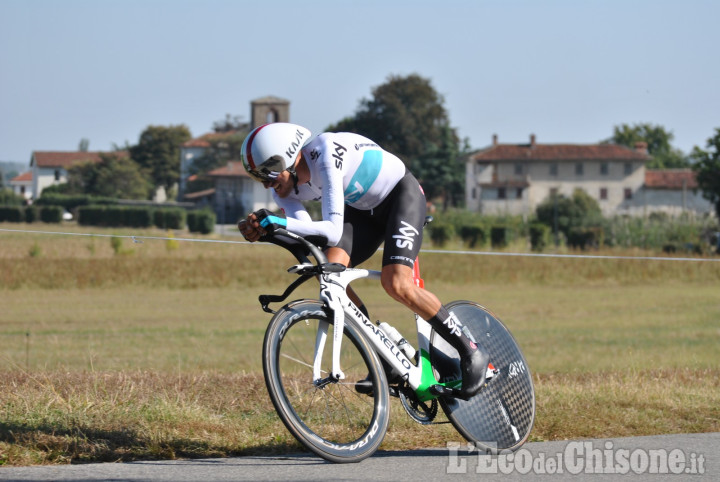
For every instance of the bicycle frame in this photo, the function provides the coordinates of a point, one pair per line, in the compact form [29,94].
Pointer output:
[419,377]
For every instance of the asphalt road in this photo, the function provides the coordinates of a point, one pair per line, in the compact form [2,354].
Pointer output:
[663,457]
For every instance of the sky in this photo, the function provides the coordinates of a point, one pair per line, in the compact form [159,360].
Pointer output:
[567,71]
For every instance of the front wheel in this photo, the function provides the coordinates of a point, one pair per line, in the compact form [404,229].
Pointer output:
[332,419]
[501,416]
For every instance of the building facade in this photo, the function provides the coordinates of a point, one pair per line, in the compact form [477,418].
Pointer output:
[513,179]
[22,185]
[50,168]
[234,193]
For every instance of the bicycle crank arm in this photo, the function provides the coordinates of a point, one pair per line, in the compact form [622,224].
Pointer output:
[450,392]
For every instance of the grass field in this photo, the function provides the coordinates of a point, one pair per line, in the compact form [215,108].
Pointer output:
[152,349]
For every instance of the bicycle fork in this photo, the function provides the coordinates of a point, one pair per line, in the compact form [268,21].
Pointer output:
[331,293]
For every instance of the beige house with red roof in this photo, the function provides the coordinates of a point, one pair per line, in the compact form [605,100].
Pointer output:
[514,178]
[22,185]
[51,167]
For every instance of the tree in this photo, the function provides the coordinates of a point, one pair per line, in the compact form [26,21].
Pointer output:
[564,214]
[406,116]
[230,123]
[707,166]
[225,145]
[114,176]
[9,198]
[158,152]
[664,156]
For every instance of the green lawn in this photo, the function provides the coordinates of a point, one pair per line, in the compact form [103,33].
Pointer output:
[156,352]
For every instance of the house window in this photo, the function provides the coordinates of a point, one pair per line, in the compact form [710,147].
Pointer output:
[579,169]
[474,193]
[518,193]
[518,169]
[628,193]
[22,189]
[603,194]
[554,169]
[628,168]
[502,194]
[57,174]
[553,192]
[604,169]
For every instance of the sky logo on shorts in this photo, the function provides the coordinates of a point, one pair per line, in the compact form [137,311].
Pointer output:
[406,238]
[364,177]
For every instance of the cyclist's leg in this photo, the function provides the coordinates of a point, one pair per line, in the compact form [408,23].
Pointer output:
[405,219]
[361,238]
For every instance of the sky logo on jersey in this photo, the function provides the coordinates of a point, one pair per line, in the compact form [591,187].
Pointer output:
[364,177]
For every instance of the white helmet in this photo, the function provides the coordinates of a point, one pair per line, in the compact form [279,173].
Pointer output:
[272,148]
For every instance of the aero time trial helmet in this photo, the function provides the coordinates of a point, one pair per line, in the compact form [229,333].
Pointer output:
[272,148]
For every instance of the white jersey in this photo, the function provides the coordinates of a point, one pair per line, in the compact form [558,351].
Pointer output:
[345,168]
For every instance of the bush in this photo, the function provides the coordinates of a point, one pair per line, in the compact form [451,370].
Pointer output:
[11,214]
[583,238]
[51,214]
[441,233]
[115,216]
[201,221]
[91,215]
[501,236]
[9,198]
[138,217]
[170,218]
[72,201]
[539,236]
[32,214]
[474,234]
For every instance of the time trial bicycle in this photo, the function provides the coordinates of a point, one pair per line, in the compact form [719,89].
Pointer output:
[323,370]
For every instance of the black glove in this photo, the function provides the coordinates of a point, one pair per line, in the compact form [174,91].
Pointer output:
[270,221]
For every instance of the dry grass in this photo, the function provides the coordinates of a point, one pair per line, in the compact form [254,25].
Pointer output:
[65,417]
[155,353]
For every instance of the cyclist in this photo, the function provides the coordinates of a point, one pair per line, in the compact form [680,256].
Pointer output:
[368,197]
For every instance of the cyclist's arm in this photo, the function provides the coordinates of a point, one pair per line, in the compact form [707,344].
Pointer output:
[333,208]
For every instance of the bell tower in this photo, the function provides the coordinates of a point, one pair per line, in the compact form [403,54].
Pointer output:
[269,109]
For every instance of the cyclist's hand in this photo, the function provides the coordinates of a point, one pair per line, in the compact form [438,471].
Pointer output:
[269,221]
[250,228]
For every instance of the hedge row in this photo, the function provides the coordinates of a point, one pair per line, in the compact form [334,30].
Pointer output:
[31,214]
[498,234]
[145,217]
[658,231]
[72,201]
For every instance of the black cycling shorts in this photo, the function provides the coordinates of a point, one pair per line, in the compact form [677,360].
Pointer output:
[398,221]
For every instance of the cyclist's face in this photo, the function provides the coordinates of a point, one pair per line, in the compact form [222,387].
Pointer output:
[282,185]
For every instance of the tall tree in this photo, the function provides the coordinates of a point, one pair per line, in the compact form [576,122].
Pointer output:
[406,116]
[158,152]
[658,140]
[114,176]
[707,166]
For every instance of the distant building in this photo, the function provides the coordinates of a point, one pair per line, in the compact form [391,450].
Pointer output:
[50,168]
[514,178]
[672,191]
[234,193]
[22,185]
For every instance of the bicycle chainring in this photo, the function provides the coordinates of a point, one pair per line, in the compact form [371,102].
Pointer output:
[422,412]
